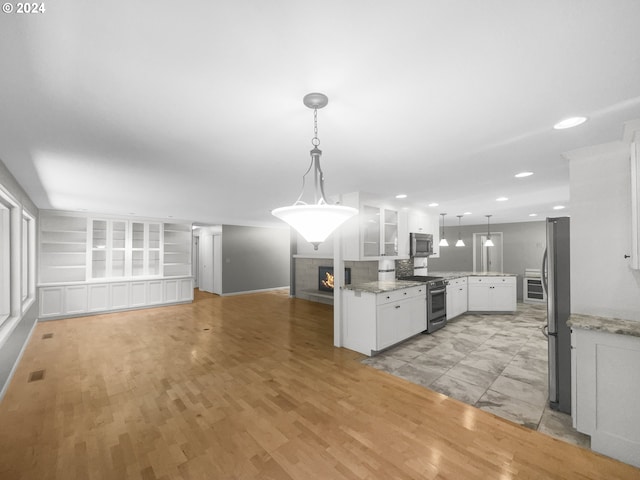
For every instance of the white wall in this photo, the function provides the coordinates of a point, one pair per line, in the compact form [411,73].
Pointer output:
[602,282]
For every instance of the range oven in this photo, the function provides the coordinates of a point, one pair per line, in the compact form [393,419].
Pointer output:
[436,300]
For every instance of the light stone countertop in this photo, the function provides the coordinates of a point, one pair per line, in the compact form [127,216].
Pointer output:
[452,275]
[382,287]
[391,285]
[604,324]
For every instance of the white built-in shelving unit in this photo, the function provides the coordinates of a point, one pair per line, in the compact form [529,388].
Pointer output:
[96,264]
[177,249]
[63,249]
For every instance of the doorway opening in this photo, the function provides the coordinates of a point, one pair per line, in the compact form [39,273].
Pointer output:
[487,259]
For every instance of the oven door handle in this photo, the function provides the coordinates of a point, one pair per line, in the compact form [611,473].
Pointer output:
[435,292]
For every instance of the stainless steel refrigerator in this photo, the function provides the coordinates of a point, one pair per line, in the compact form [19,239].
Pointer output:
[556,282]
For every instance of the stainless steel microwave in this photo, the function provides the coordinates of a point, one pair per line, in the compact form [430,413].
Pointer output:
[421,244]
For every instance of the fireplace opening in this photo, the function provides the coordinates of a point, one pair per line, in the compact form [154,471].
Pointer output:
[325,278]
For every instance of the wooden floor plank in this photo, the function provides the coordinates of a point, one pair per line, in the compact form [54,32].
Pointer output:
[248,387]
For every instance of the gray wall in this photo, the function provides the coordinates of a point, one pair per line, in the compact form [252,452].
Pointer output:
[13,346]
[254,258]
[523,246]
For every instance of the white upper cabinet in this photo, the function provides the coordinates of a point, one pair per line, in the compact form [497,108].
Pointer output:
[381,229]
[372,234]
[120,248]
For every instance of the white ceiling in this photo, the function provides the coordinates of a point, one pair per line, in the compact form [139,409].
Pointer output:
[193,110]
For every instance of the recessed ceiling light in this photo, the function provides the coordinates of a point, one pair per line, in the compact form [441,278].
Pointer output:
[467,213]
[570,122]
[533,214]
[501,199]
[434,204]
[523,174]
[558,207]
[401,195]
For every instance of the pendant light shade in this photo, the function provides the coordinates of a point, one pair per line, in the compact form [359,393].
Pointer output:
[315,221]
[443,241]
[459,243]
[488,242]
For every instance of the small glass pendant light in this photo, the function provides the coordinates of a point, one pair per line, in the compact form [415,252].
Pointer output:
[443,241]
[459,243]
[488,242]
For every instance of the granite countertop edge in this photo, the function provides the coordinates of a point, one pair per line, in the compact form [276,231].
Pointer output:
[453,275]
[382,287]
[604,324]
[391,285]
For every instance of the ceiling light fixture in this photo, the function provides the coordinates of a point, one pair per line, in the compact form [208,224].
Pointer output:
[558,207]
[401,195]
[569,123]
[315,221]
[488,242]
[459,243]
[501,199]
[533,214]
[467,213]
[443,241]
[434,204]
[523,174]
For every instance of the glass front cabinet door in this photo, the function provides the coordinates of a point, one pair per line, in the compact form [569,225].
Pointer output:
[121,249]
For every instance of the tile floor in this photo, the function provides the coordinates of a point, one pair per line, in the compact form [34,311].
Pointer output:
[496,362]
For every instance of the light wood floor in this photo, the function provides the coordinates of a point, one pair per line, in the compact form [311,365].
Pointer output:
[248,387]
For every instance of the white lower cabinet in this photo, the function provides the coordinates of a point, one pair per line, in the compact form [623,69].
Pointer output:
[605,392]
[138,294]
[492,294]
[98,298]
[155,292]
[75,299]
[375,321]
[119,295]
[52,301]
[456,297]
[63,300]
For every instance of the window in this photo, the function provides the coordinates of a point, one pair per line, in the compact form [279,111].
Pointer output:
[28,254]
[5,260]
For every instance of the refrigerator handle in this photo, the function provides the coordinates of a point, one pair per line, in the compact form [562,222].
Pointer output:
[543,271]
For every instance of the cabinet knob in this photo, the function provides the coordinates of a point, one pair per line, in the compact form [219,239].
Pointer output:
[397,306]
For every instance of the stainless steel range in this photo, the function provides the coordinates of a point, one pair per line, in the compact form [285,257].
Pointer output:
[436,300]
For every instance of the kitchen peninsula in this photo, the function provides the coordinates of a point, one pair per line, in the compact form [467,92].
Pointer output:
[378,315]
[605,353]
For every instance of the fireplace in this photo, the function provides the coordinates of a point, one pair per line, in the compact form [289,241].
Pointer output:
[325,278]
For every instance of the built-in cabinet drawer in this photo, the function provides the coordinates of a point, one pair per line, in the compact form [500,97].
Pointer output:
[396,295]
[63,300]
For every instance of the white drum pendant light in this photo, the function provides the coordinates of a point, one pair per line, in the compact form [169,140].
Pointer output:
[315,221]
